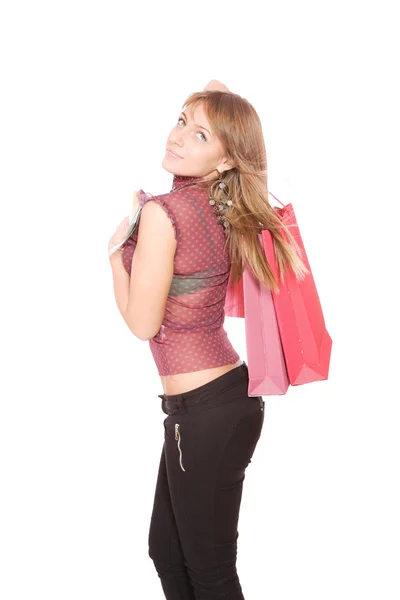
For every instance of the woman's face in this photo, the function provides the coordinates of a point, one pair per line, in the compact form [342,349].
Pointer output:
[199,152]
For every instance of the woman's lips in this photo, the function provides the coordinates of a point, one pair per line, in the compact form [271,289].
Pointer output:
[170,153]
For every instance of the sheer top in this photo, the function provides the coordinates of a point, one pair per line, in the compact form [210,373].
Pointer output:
[192,336]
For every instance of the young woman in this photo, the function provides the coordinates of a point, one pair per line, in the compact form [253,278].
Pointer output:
[190,242]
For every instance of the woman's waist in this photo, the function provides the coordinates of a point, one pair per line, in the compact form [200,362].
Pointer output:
[185,382]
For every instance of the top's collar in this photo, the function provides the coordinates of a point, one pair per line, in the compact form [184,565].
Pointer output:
[184,180]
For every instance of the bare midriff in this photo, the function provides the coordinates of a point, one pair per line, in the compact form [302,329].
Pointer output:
[184,382]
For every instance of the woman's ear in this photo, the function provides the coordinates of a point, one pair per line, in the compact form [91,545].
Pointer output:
[225,166]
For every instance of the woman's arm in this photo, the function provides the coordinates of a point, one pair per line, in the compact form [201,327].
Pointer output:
[121,280]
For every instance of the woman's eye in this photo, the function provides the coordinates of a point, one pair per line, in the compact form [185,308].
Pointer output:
[201,133]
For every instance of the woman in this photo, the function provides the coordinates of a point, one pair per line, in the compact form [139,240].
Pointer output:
[190,243]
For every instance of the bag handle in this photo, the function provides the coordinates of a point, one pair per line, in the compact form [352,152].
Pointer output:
[277,199]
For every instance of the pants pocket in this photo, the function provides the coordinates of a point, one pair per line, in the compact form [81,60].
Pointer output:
[245,436]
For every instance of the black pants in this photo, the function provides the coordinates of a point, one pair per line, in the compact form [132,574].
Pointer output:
[211,433]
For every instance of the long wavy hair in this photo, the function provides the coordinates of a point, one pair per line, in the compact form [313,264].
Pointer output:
[238,127]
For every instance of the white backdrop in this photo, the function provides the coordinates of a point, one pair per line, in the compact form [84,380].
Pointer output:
[90,91]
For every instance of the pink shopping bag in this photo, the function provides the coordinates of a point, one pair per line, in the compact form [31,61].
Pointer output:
[305,340]
[234,299]
[266,362]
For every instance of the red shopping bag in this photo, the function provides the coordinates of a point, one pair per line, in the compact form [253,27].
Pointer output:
[266,362]
[305,340]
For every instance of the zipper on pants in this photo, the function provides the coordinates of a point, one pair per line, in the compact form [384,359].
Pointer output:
[178,438]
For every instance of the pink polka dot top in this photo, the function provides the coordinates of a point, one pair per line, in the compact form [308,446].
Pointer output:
[192,335]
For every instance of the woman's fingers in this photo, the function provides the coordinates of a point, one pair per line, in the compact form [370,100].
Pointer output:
[135,202]
[214,84]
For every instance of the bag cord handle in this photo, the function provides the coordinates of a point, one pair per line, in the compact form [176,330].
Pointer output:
[277,199]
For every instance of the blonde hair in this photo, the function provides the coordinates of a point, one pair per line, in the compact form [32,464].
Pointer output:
[238,127]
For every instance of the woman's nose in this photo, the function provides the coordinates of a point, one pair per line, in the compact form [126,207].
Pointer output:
[176,140]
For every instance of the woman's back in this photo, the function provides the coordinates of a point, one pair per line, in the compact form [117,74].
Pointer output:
[192,346]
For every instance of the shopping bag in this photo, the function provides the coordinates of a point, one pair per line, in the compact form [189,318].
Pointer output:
[265,358]
[305,340]
[234,299]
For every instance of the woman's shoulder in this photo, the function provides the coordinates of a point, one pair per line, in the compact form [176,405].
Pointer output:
[183,206]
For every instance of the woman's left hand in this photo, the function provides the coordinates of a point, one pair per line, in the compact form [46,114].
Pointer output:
[119,234]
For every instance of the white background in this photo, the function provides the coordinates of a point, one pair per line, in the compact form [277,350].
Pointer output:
[90,91]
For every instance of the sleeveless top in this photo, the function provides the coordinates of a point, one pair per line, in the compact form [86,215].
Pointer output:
[192,336]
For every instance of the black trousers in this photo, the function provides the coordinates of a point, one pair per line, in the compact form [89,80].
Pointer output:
[210,436]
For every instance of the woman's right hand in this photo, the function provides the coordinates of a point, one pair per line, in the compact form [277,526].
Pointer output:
[135,203]
[214,84]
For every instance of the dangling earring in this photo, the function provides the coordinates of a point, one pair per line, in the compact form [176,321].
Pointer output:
[220,205]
